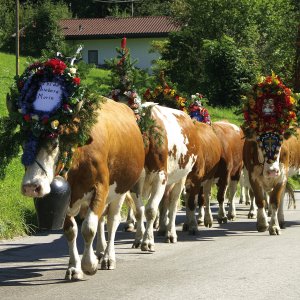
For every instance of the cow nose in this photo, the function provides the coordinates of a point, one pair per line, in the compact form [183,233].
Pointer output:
[273,173]
[31,189]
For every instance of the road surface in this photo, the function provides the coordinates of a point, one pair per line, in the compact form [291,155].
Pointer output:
[229,261]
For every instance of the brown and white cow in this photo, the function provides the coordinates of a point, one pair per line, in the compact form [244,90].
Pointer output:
[101,174]
[166,164]
[226,142]
[271,177]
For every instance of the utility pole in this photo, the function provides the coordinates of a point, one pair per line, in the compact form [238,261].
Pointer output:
[17,38]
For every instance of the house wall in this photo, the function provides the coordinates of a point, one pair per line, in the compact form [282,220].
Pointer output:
[139,49]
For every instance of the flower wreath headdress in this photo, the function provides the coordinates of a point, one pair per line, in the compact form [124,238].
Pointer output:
[270,115]
[48,101]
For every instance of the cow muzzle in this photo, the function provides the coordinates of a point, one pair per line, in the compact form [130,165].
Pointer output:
[34,190]
[272,173]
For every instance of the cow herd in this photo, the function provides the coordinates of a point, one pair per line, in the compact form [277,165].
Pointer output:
[189,159]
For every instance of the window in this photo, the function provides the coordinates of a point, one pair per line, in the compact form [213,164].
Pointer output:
[93,57]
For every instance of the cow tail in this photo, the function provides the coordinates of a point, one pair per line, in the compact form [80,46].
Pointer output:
[291,196]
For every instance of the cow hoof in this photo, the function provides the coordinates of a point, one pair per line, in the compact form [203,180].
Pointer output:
[171,239]
[231,217]
[136,245]
[129,227]
[274,230]
[147,247]
[241,202]
[108,264]
[200,222]
[73,274]
[222,220]
[261,228]
[90,268]
[251,215]
[208,224]
[185,227]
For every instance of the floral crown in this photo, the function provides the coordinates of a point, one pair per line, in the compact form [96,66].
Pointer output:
[270,107]
[48,101]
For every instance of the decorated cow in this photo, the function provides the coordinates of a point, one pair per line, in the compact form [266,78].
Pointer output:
[272,147]
[96,145]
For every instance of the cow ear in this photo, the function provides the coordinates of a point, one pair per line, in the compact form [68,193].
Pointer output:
[89,141]
[287,135]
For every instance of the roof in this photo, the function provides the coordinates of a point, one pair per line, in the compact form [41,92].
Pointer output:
[154,26]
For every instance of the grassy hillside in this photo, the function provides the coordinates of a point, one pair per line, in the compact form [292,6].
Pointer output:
[17,215]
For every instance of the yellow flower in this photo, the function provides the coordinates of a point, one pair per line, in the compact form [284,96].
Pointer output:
[292,100]
[54,124]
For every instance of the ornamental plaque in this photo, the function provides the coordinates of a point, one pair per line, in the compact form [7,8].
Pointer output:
[48,97]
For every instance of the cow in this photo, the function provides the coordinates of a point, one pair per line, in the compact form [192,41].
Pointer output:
[100,175]
[227,175]
[166,164]
[270,177]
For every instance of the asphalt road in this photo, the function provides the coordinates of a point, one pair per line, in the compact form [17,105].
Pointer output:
[229,261]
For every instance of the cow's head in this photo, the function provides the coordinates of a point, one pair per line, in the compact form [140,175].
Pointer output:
[269,148]
[41,171]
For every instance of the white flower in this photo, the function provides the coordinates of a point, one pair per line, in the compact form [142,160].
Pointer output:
[193,96]
[73,70]
[35,117]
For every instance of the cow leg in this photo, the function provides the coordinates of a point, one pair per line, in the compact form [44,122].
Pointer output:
[222,187]
[157,192]
[131,220]
[171,235]
[208,218]
[191,224]
[74,271]
[276,198]
[231,193]
[101,241]
[262,222]
[89,261]
[253,209]
[281,212]
[201,205]
[113,220]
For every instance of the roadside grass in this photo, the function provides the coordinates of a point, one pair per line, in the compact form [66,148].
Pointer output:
[17,213]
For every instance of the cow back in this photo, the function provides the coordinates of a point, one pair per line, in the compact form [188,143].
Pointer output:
[115,154]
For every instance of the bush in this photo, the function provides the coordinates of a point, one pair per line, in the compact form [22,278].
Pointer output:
[228,72]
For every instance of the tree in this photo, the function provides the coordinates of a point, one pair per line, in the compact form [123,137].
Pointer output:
[44,32]
[266,28]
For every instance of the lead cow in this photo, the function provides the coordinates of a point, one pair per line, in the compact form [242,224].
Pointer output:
[101,174]
[271,178]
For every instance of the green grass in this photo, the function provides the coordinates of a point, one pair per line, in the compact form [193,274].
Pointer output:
[17,214]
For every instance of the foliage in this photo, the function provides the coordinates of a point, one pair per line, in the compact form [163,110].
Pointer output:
[39,27]
[227,71]
[260,29]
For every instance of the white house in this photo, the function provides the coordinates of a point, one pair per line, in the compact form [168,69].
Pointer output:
[101,36]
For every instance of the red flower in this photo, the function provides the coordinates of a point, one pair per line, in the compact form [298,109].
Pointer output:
[76,80]
[123,43]
[57,65]
[27,117]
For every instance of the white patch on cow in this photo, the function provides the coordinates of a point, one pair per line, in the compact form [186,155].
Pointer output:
[85,201]
[39,175]
[293,171]
[176,140]
[112,194]
[235,127]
